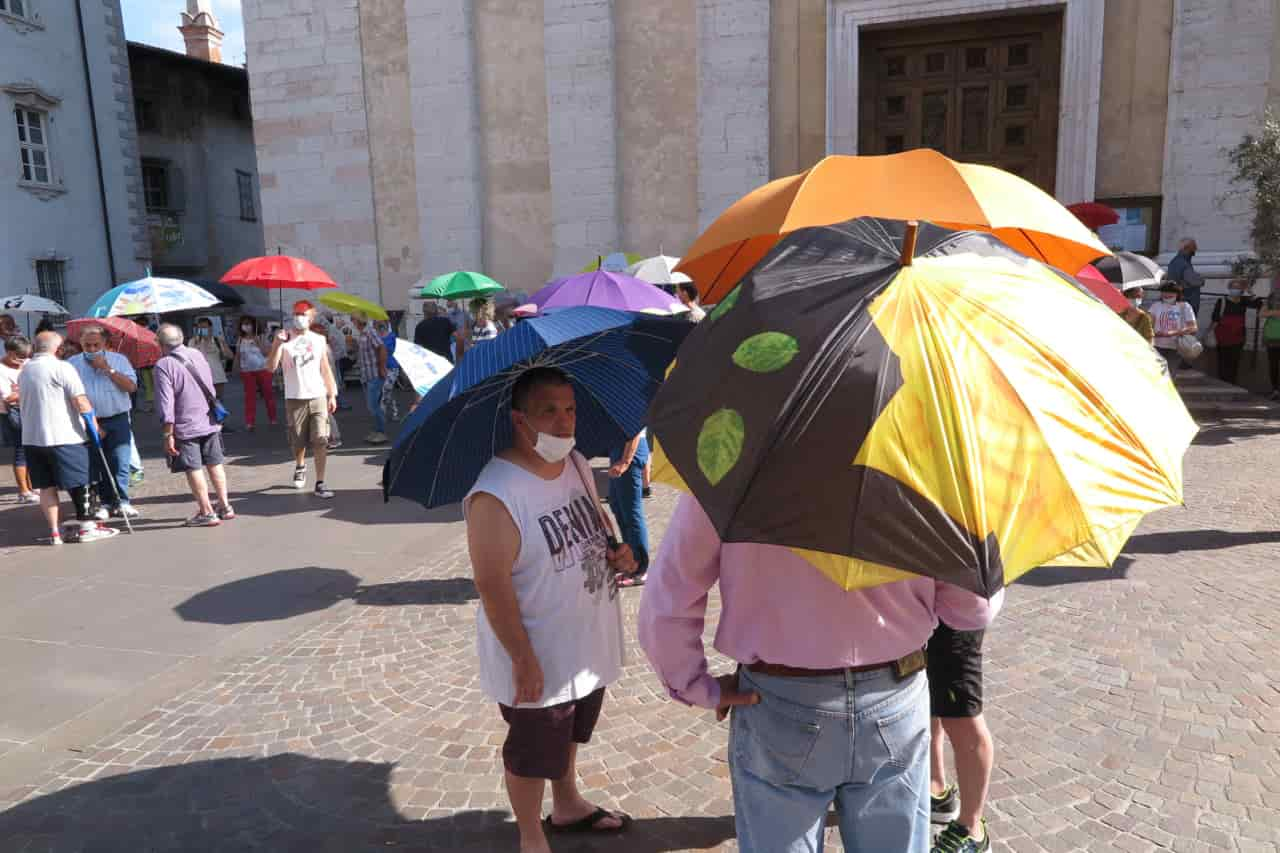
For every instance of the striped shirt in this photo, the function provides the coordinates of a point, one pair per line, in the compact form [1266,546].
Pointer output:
[107,399]
[369,343]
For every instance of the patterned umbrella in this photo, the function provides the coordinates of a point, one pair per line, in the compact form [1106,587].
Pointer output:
[965,415]
[152,295]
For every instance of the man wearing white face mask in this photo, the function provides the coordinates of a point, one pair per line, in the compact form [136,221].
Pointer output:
[310,392]
[550,630]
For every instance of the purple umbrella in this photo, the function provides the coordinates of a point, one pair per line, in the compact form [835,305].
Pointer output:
[606,290]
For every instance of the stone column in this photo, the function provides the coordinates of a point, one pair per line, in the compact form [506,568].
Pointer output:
[733,102]
[582,130]
[446,134]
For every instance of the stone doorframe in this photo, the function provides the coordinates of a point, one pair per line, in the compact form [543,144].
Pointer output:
[1081,80]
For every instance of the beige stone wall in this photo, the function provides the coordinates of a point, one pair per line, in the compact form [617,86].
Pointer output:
[512,93]
[656,74]
[305,81]
[797,85]
[1135,97]
[385,47]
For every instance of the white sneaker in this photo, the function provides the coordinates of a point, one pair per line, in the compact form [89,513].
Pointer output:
[102,514]
[300,478]
[30,498]
[125,511]
[377,438]
[95,532]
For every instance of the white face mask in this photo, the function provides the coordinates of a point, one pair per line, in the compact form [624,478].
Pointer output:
[247,329]
[301,322]
[553,448]
[1169,299]
[1136,303]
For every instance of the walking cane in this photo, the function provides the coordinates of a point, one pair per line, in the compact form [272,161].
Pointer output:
[115,490]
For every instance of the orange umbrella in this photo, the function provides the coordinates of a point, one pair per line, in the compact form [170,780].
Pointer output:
[917,184]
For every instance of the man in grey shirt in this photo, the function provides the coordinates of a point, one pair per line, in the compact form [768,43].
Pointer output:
[53,437]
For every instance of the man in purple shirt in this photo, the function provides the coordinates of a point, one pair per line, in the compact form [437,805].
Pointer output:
[830,702]
[192,436]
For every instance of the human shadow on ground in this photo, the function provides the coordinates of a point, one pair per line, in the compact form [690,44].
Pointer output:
[1064,575]
[355,506]
[287,593]
[1218,435]
[287,803]
[1176,541]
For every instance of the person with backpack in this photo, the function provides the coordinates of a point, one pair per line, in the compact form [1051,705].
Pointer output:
[1228,327]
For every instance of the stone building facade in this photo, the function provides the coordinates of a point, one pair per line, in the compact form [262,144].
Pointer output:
[405,138]
[72,218]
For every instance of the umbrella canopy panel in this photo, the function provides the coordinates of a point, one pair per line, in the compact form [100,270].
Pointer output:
[615,361]
[917,184]
[462,284]
[606,290]
[152,295]
[28,303]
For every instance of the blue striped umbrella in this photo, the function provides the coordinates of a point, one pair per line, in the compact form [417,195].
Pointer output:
[616,361]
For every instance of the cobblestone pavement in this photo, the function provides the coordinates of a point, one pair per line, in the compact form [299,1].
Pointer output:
[1134,709]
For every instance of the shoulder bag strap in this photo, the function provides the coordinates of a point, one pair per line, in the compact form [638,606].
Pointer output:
[589,483]
[204,389]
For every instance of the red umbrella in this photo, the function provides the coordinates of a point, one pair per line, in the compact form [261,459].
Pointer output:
[279,272]
[136,343]
[1097,284]
[275,272]
[1093,214]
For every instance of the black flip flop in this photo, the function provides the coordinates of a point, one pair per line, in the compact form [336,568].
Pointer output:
[588,823]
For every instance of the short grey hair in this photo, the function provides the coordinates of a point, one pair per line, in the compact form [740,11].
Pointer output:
[94,329]
[47,342]
[170,335]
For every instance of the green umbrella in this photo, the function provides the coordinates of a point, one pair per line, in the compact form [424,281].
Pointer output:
[459,285]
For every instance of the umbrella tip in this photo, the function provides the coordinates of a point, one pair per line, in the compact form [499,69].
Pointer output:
[909,243]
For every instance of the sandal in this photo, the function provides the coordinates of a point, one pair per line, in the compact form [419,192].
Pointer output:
[588,823]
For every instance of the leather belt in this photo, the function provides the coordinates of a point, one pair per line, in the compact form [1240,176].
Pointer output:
[780,671]
[905,666]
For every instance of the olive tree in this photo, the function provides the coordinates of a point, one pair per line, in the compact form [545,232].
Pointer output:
[1256,160]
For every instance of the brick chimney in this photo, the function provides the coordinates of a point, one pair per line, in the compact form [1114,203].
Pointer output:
[200,31]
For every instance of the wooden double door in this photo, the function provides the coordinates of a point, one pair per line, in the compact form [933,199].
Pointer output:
[981,91]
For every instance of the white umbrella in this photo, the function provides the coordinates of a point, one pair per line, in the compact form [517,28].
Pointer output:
[422,367]
[31,304]
[658,270]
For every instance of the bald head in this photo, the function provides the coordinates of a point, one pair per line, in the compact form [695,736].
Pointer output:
[47,343]
[1188,245]
[171,336]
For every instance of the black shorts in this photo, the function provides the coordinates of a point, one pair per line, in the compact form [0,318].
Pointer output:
[63,466]
[12,436]
[196,453]
[955,672]
[538,739]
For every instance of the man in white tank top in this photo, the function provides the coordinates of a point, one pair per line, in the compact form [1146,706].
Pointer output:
[310,393]
[549,634]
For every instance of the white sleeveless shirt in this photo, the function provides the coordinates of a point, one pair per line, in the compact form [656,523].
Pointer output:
[567,593]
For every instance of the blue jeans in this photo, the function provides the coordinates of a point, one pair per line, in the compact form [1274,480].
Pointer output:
[858,739]
[117,445]
[627,503]
[373,399]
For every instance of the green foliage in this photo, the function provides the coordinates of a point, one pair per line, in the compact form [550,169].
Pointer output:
[1257,166]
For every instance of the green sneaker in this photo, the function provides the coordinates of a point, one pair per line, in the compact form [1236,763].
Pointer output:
[944,807]
[956,839]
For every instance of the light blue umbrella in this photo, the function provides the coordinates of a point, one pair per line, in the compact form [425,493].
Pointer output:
[152,295]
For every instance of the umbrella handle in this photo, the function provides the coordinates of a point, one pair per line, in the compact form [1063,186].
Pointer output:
[909,243]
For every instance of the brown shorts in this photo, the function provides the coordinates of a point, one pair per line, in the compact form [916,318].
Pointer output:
[538,739]
[307,422]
